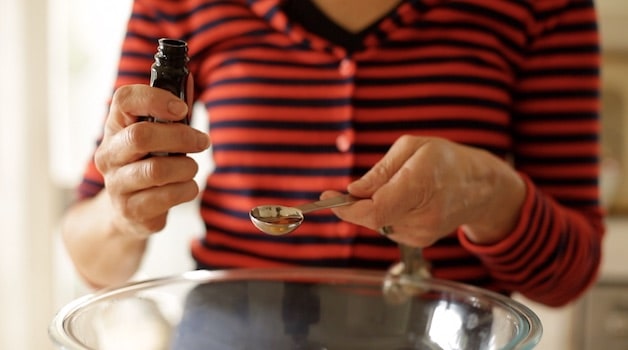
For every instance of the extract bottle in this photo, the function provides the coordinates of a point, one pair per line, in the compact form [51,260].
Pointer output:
[170,71]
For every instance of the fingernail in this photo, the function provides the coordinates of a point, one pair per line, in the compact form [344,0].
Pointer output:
[325,195]
[177,107]
[359,183]
[361,187]
[202,141]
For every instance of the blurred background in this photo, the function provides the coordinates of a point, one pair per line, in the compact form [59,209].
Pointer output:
[57,66]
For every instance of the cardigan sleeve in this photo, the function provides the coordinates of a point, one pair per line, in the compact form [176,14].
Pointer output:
[553,254]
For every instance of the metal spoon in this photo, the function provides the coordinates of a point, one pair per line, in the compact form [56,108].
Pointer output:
[278,220]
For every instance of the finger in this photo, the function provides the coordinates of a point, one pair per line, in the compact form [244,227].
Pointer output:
[139,139]
[143,206]
[401,197]
[364,213]
[143,229]
[404,232]
[152,172]
[415,197]
[409,235]
[133,101]
[330,194]
[383,170]
[155,224]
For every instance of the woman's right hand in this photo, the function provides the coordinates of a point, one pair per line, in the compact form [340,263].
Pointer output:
[142,189]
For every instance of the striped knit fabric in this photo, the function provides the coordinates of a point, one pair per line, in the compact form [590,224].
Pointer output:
[292,115]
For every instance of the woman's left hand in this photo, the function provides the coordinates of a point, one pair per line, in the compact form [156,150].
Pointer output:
[425,188]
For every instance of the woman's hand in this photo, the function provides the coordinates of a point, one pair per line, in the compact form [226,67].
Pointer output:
[142,189]
[425,188]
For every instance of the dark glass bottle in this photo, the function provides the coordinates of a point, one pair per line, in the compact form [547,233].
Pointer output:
[170,71]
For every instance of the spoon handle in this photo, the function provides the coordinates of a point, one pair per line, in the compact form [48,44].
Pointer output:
[413,262]
[327,203]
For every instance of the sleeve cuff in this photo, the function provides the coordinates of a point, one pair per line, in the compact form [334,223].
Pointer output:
[512,241]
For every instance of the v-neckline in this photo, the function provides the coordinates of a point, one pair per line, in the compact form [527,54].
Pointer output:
[272,12]
[355,16]
[314,20]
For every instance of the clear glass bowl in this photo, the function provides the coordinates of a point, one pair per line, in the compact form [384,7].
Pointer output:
[294,308]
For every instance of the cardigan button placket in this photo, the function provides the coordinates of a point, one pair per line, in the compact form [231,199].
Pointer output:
[344,141]
[346,67]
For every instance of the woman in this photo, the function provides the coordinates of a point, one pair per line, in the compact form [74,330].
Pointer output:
[468,127]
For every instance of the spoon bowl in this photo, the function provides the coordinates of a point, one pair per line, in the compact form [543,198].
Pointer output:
[276,220]
[279,220]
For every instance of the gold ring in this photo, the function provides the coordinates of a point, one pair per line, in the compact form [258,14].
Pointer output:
[386,230]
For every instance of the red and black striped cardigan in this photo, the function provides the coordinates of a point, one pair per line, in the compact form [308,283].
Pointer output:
[291,115]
